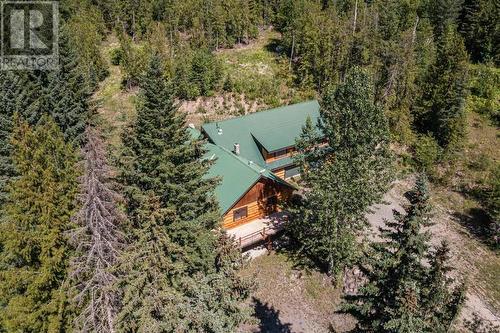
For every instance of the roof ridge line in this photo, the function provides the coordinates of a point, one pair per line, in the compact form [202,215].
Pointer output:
[261,174]
[263,111]
[240,159]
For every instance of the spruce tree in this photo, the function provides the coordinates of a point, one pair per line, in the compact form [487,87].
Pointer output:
[343,178]
[443,13]
[441,303]
[10,91]
[444,100]
[173,279]
[481,31]
[63,94]
[98,242]
[307,143]
[35,217]
[67,96]
[402,293]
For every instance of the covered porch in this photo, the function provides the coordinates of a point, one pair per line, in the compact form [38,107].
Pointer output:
[258,230]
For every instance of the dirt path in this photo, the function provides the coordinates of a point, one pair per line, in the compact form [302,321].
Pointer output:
[471,259]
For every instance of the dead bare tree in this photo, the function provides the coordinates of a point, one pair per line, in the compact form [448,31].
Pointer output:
[98,242]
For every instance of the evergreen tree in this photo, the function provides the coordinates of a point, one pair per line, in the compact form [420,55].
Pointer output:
[11,94]
[443,13]
[67,96]
[480,27]
[35,250]
[98,242]
[397,50]
[344,178]
[402,294]
[86,30]
[307,144]
[443,103]
[442,305]
[173,278]
[63,94]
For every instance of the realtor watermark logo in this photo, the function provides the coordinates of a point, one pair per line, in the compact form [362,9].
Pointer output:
[30,35]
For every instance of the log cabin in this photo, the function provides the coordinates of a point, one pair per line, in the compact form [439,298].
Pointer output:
[253,157]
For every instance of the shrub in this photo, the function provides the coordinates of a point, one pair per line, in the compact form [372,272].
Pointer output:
[116,56]
[479,325]
[228,84]
[426,153]
[197,73]
[485,94]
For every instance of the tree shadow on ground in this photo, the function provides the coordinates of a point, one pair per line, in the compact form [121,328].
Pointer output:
[274,46]
[269,318]
[478,223]
[299,258]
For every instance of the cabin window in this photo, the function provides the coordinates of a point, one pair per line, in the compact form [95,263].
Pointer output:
[280,152]
[240,213]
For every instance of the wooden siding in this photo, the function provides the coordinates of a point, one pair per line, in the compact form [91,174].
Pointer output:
[270,157]
[280,173]
[256,201]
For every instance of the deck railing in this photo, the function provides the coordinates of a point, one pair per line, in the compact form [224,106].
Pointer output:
[263,234]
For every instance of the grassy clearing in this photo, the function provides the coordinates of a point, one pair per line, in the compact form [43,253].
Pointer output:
[470,173]
[254,77]
[259,73]
[115,105]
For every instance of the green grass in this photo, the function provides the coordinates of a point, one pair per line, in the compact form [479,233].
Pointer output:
[259,73]
[489,272]
[115,105]
[458,196]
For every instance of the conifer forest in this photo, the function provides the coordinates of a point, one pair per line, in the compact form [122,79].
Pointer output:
[120,205]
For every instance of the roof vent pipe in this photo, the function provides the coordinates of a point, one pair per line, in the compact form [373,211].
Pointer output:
[236,148]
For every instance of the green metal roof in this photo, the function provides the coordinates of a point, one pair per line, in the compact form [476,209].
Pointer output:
[237,175]
[281,163]
[272,129]
[194,134]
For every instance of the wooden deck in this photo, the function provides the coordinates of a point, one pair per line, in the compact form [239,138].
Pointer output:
[259,230]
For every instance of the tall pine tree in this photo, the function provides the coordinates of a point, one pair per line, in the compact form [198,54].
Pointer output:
[481,30]
[402,293]
[35,254]
[343,178]
[174,278]
[10,96]
[442,109]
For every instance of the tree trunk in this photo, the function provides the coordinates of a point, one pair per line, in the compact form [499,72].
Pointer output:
[414,34]
[355,17]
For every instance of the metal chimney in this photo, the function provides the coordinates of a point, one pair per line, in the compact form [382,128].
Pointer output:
[219,130]
[236,149]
